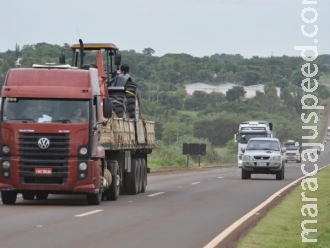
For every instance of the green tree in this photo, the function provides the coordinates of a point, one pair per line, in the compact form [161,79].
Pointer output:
[251,78]
[235,94]
[148,51]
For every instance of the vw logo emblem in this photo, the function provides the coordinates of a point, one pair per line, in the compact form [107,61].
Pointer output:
[43,143]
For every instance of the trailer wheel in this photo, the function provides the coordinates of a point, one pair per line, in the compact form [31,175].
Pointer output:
[28,196]
[144,175]
[140,176]
[132,178]
[112,193]
[8,197]
[41,196]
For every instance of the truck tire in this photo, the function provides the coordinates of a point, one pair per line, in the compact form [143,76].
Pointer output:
[28,196]
[118,100]
[96,198]
[8,197]
[246,174]
[143,175]
[280,174]
[132,178]
[112,193]
[131,96]
[41,196]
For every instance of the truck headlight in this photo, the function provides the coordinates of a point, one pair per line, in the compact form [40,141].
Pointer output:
[83,151]
[247,158]
[5,149]
[5,165]
[82,166]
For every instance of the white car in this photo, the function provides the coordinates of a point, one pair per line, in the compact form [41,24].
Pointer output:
[263,156]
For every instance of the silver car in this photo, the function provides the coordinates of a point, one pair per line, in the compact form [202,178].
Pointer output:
[263,156]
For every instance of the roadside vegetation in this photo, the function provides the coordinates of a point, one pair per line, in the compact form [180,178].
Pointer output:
[212,118]
[281,227]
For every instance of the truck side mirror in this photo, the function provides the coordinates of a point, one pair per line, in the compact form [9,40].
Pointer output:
[107,108]
[117,59]
[283,149]
[242,149]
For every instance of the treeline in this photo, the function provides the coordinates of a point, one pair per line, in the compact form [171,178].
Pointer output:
[162,80]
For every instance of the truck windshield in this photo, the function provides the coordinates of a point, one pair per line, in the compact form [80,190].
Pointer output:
[245,137]
[45,110]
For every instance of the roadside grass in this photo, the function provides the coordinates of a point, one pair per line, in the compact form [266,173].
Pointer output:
[158,164]
[281,227]
[225,157]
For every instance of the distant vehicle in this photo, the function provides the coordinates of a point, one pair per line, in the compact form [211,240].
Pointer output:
[293,151]
[318,149]
[263,156]
[252,129]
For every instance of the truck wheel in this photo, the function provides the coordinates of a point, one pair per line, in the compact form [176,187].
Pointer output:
[144,175]
[8,197]
[95,199]
[28,195]
[41,196]
[140,176]
[280,174]
[118,100]
[112,193]
[132,178]
[246,174]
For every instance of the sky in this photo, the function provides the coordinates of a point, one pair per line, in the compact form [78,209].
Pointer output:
[195,27]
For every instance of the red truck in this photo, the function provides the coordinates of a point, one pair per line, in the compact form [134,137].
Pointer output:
[59,133]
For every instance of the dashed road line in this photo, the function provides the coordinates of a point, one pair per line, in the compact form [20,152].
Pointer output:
[195,183]
[219,177]
[159,193]
[88,213]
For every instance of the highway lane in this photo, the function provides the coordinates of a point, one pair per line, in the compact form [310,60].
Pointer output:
[178,210]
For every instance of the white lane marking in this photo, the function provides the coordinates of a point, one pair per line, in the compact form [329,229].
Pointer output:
[39,225]
[159,193]
[219,177]
[180,186]
[88,213]
[214,243]
[195,183]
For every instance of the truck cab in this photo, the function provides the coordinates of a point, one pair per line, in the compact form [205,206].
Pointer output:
[44,147]
[251,129]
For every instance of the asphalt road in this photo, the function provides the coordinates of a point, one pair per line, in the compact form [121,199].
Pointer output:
[184,210]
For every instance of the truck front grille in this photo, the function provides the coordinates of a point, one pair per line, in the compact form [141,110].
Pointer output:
[56,157]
